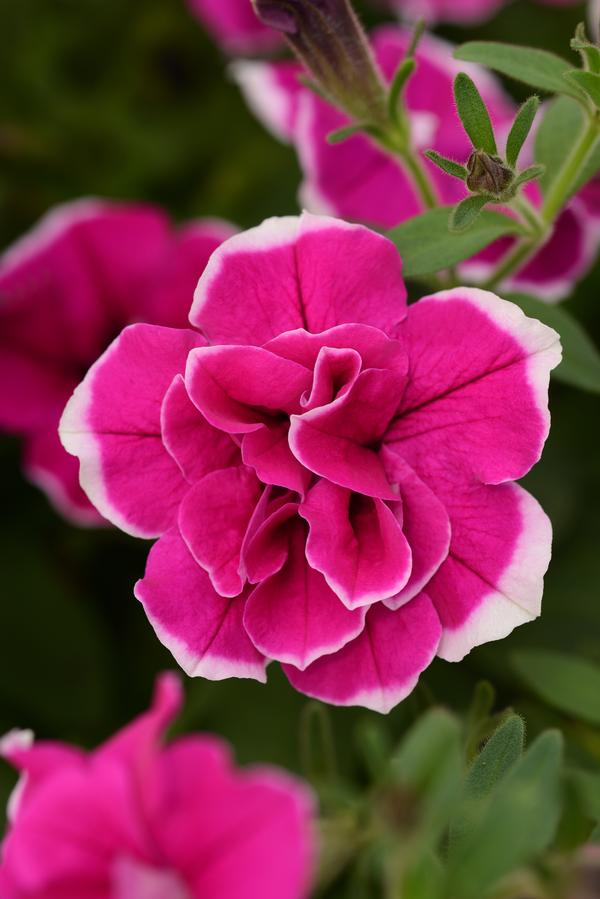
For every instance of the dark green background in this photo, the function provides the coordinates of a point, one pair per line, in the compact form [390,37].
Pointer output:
[132,101]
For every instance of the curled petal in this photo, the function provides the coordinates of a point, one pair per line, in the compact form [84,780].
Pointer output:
[357,544]
[293,616]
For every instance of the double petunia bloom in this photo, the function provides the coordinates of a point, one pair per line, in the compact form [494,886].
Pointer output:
[329,472]
[136,819]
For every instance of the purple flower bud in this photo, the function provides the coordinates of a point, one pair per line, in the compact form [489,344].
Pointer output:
[488,174]
[328,38]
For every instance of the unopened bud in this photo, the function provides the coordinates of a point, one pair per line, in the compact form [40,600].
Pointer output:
[328,38]
[488,174]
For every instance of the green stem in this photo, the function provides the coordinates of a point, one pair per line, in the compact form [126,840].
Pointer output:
[511,262]
[558,195]
[420,178]
[562,186]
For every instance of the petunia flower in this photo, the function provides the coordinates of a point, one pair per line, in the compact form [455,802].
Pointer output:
[329,473]
[234,25]
[463,12]
[136,819]
[357,180]
[66,290]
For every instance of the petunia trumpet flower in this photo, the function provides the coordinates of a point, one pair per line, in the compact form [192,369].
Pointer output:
[329,473]
[66,290]
[137,819]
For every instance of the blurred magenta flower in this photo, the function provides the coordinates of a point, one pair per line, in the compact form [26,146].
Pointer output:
[136,819]
[234,25]
[329,472]
[359,181]
[66,289]
[463,12]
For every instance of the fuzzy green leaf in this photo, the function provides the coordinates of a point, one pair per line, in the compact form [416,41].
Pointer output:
[473,114]
[520,129]
[403,73]
[515,823]
[447,165]
[466,212]
[530,174]
[427,246]
[537,68]
[588,82]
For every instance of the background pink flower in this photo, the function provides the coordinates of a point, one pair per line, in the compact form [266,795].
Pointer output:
[358,181]
[234,25]
[66,289]
[464,12]
[138,820]
[329,473]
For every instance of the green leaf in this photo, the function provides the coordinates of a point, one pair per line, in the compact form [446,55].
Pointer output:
[403,73]
[473,114]
[428,762]
[447,165]
[568,683]
[427,246]
[590,53]
[515,824]
[501,751]
[561,125]
[581,359]
[589,82]
[466,212]
[520,129]
[537,68]
[587,784]
[530,174]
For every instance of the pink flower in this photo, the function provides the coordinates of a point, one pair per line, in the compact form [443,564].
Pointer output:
[358,181]
[329,472]
[464,12]
[234,25]
[66,289]
[138,820]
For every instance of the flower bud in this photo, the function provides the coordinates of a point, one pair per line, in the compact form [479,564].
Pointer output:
[328,38]
[488,174]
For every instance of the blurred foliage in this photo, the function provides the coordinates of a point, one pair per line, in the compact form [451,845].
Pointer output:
[132,101]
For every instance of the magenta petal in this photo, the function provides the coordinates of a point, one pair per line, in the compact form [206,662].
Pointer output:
[238,389]
[309,272]
[213,520]
[267,450]
[57,474]
[478,390]
[266,544]
[380,667]
[196,446]
[271,90]
[425,524]
[112,423]
[293,616]
[335,441]
[234,24]
[38,390]
[493,578]
[203,630]
[356,543]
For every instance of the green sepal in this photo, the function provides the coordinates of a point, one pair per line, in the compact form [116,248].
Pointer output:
[447,165]
[473,114]
[464,213]
[520,129]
